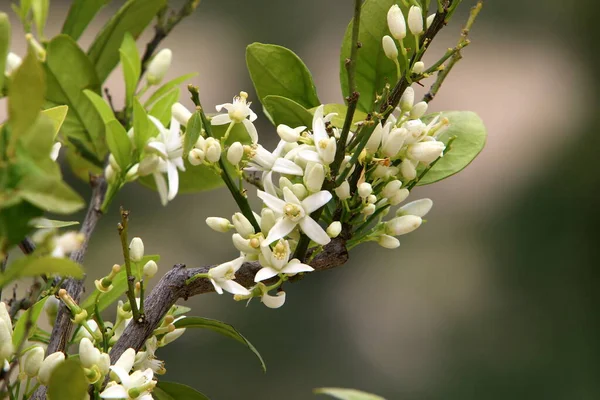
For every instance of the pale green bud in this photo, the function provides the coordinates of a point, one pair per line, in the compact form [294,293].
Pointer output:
[150,269]
[136,249]
[389,242]
[415,20]
[181,113]
[196,156]
[334,229]
[219,224]
[242,225]
[32,360]
[389,48]
[420,208]
[396,23]
[267,220]
[364,189]
[343,191]
[48,366]
[235,153]
[402,225]
[299,190]
[159,66]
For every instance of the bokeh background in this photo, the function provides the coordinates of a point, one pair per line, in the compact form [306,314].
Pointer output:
[494,298]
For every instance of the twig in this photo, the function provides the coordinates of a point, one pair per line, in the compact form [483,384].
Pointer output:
[122,228]
[172,287]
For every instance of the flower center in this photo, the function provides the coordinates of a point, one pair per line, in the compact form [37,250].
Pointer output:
[293,212]
[230,274]
[279,252]
[323,143]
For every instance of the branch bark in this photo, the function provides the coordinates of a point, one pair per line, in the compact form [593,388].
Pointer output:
[173,287]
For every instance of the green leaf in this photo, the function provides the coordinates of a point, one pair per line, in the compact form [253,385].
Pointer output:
[133,18]
[118,143]
[69,73]
[192,132]
[132,66]
[32,314]
[162,108]
[142,128]
[38,140]
[67,381]
[4,44]
[219,327]
[119,288]
[166,88]
[50,193]
[340,110]
[176,391]
[40,14]
[14,221]
[35,266]
[100,105]
[57,115]
[25,95]
[373,68]
[179,310]
[276,70]
[347,394]
[285,111]
[470,139]
[80,166]
[80,15]
[45,223]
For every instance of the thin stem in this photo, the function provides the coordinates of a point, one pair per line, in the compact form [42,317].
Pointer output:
[122,228]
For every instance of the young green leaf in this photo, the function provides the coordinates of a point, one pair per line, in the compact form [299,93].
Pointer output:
[219,327]
[192,132]
[278,71]
[347,394]
[50,193]
[67,381]
[470,135]
[373,69]
[286,111]
[102,107]
[80,15]
[40,14]
[14,221]
[4,44]
[162,108]
[167,87]
[57,115]
[45,223]
[69,73]
[132,67]
[36,266]
[32,314]
[142,128]
[25,95]
[174,391]
[118,143]
[133,18]
[38,140]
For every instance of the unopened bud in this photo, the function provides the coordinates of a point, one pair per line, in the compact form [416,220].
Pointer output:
[288,134]
[299,190]
[32,360]
[408,170]
[399,197]
[396,23]
[314,177]
[242,225]
[419,67]
[219,224]
[334,229]
[389,48]
[391,188]
[369,209]
[181,113]
[13,62]
[407,100]
[420,208]
[158,66]
[430,20]
[402,225]
[235,153]
[394,142]
[213,150]
[267,220]
[48,366]
[389,242]
[364,189]
[418,110]
[88,354]
[132,173]
[426,152]
[415,20]
[343,191]
[150,269]
[196,157]
[136,249]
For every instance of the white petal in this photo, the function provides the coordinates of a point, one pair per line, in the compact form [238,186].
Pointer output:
[226,106]
[319,132]
[121,373]
[267,181]
[220,119]
[265,273]
[314,231]
[173,181]
[251,130]
[290,197]
[288,167]
[309,155]
[147,396]
[295,266]
[271,201]
[217,287]
[234,288]
[251,114]
[279,149]
[282,227]
[159,147]
[174,133]
[318,115]
[273,301]
[161,186]
[237,263]
[114,392]
[316,201]
[158,124]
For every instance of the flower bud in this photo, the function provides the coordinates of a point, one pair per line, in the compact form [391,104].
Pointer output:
[150,269]
[148,165]
[290,135]
[389,48]
[364,189]
[158,67]
[375,139]
[181,113]
[32,360]
[248,246]
[242,225]
[88,354]
[426,152]
[267,220]
[110,174]
[408,169]
[416,130]
[48,366]
[430,20]
[299,190]
[420,208]
[407,100]
[213,150]
[112,161]
[136,249]
[399,197]
[5,316]
[394,142]
[396,23]
[132,173]
[419,67]
[219,224]
[371,199]
[391,188]
[235,153]
[196,157]
[13,62]
[314,177]
[334,229]
[418,110]
[6,344]
[51,309]
[172,336]
[343,191]
[415,20]
[369,209]
[381,171]
[273,301]
[104,363]
[389,242]
[402,225]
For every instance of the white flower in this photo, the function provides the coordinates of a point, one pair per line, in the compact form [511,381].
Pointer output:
[169,147]
[393,142]
[389,48]
[295,212]
[420,208]
[273,301]
[138,385]
[146,359]
[222,277]
[126,361]
[324,144]
[415,20]
[239,112]
[396,23]
[13,62]
[158,66]
[277,261]
[288,134]
[67,243]
[267,162]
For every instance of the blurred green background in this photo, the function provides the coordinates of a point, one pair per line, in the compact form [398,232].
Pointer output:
[494,298]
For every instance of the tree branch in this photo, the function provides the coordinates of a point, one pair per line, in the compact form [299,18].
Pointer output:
[173,287]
